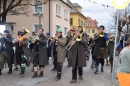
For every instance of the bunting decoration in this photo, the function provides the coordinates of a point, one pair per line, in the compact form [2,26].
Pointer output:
[101,4]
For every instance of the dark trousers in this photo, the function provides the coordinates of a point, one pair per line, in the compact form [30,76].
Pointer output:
[100,60]
[55,60]
[59,69]
[74,71]
[48,55]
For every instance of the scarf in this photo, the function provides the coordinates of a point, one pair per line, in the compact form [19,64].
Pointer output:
[20,39]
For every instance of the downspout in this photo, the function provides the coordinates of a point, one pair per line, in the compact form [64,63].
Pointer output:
[49,16]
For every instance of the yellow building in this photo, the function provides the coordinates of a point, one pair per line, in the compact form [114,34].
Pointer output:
[76,17]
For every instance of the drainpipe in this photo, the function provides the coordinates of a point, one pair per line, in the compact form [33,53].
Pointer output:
[49,16]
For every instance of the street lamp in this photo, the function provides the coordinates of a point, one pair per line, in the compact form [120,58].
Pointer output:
[40,15]
[118,5]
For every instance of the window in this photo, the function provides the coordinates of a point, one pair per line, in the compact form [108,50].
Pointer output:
[79,22]
[87,24]
[93,31]
[71,21]
[65,31]
[36,27]
[82,23]
[65,14]
[58,10]
[11,28]
[57,27]
[38,7]
[88,31]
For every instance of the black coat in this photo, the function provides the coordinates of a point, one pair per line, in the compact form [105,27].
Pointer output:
[42,50]
[9,49]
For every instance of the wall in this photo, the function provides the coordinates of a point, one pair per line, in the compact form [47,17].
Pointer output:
[56,20]
[29,21]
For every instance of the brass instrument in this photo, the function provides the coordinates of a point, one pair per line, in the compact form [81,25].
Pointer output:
[68,47]
[34,39]
[79,37]
[75,38]
[96,35]
[25,30]
[52,38]
[111,38]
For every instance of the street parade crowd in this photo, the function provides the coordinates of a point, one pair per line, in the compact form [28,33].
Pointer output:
[75,47]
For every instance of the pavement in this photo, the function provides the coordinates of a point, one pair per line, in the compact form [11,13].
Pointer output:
[89,78]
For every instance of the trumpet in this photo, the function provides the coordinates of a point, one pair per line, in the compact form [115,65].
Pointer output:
[52,38]
[111,38]
[34,39]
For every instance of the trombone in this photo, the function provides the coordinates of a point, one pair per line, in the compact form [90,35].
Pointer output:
[75,38]
[68,47]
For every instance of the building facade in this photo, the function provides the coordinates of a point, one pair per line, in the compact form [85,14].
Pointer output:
[55,15]
[76,17]
[91,26]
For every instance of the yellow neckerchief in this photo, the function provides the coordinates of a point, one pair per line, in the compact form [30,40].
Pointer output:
[21,38]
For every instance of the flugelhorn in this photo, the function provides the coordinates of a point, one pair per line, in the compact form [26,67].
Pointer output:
[35,39]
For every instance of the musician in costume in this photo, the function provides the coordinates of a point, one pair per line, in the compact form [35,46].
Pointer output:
[93,57]
[58,52]
[21,51]
[77,58]
[100,47]
[69,37]
[9,49]
[39,54]
[89,41]
[109,49]
[3,54]
[48,47]
[120,45]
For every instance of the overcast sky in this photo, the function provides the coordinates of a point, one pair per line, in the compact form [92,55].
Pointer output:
[96,11]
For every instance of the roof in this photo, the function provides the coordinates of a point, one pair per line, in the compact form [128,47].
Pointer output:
[93,23]
[76,5]
[66,3]
[74,10]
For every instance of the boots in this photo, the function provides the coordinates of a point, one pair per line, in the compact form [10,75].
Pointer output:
[32,69]
[96,71]
[80,77]
[10,71]
[35,74]
[0,72]
[58,76]
[41,74]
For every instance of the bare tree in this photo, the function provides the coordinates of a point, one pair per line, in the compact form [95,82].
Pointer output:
[16,7]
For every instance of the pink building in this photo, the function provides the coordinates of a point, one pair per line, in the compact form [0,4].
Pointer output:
[56,14]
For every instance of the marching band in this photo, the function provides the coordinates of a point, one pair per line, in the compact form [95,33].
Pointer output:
[75,47]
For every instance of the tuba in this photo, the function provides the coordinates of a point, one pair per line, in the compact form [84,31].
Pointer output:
[25,30]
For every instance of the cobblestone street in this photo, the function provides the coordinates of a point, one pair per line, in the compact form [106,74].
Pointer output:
[89,78]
